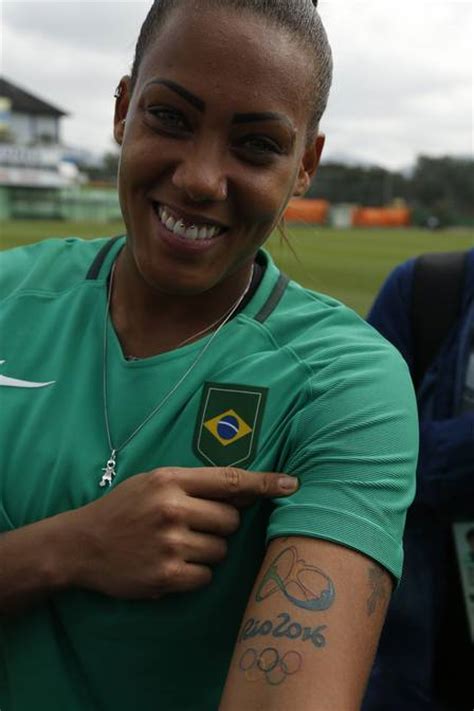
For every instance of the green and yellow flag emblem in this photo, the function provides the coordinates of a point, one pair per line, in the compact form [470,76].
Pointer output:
[228,424]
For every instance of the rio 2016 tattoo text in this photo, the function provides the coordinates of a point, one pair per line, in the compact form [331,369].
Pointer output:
[283,626]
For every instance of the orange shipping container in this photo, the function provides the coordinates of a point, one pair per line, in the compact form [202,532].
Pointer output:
[307,211]
[381,217]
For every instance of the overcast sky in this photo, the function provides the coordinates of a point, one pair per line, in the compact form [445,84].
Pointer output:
[402,85]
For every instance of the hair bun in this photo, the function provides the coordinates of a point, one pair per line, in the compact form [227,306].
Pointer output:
[315,3]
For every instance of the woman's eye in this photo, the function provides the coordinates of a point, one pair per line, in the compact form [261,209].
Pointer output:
[260,147]
[168,119]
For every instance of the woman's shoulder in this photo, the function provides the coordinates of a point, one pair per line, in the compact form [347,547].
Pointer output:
[322,330]
[51,265]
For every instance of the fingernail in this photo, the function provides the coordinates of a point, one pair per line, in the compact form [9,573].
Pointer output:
[288,483]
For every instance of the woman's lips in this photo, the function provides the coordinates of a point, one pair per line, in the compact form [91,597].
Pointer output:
[187,226]
[183,236]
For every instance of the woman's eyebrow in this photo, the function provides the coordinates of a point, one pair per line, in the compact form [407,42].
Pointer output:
[263,116]
[195,101]
[199,104]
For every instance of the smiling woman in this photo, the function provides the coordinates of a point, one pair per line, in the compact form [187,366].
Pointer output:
[217,448]
[219,163]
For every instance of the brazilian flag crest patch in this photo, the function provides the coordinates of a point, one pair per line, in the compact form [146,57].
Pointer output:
[229,423]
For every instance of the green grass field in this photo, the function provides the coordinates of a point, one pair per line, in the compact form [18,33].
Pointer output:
[347,264]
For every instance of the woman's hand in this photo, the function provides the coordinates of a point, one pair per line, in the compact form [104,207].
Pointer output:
[161,532]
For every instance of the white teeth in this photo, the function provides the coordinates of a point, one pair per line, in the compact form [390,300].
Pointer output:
[179,229]
[193,232]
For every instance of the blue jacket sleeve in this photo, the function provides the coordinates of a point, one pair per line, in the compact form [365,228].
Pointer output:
[446,460]
[391,311]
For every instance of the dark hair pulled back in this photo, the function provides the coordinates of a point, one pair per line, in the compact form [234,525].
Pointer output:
[300,17]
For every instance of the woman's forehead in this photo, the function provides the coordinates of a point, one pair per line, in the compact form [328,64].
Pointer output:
[225,54]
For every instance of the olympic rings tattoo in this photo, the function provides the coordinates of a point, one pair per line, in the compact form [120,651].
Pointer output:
[269,663]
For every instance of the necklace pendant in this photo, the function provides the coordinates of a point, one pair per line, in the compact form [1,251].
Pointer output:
[109,470]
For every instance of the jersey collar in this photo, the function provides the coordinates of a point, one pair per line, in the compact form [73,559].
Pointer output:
[266,298]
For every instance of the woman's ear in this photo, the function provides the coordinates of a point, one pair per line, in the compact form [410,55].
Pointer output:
[309,165]
[122,101]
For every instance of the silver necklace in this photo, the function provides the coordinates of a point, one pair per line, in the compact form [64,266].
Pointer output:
[208,328]
[110,469]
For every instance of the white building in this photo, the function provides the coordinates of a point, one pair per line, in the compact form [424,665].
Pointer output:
[25,119]
[36,178]
[31,171]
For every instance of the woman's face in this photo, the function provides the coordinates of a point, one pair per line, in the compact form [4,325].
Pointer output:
[213,147]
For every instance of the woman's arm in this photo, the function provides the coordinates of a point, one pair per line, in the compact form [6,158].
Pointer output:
[151,535]
[35,560]
[310,631]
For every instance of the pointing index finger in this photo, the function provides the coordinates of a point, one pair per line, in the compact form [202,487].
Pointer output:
[231,482]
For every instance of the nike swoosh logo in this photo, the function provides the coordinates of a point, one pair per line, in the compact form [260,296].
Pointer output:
[15,383]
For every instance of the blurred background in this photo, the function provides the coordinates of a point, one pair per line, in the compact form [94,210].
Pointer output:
[397,178]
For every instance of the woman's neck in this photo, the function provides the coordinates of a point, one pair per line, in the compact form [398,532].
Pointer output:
[148,321]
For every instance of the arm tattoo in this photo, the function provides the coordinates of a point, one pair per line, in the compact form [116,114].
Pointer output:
[283,626]
[269,664]
[302,584]
[378,587]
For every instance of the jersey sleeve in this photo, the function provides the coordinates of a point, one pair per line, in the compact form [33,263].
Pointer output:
[31,267]
[48,266]
[15,265]
[354,447]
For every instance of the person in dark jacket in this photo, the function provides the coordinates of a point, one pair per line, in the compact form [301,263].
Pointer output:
[425,659]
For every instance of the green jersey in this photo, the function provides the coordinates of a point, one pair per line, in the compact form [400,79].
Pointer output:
[296,383]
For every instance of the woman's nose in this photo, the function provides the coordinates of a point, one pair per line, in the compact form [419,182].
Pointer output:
[200,174]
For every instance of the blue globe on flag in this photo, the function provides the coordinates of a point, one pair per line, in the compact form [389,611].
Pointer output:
[228,427]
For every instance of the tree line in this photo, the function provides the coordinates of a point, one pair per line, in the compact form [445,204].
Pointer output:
[440,188]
